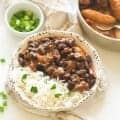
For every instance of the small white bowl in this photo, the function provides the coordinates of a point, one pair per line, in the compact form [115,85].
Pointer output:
[24,6]
[99,38]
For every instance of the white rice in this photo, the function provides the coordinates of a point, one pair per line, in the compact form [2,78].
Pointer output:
[45,96]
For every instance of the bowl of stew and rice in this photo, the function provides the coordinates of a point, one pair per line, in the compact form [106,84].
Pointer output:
[53,71]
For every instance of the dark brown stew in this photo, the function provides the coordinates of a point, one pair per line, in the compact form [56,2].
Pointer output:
[62,58]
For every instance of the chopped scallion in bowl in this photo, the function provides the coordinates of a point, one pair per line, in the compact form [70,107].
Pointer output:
[24,21]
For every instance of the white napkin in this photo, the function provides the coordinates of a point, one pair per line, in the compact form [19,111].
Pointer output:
[59,15]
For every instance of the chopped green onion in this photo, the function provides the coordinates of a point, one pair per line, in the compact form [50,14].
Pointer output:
[3,99]
[3,95]
[2,60]
[1,109]
[34,89]
[53,87]
[24,21]
[57,95]
[24,77]
[5,103]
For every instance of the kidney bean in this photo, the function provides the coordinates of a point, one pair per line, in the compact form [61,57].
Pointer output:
[70,85]
[75,78]
[67,76]
[61,46]
[40,67]
[22,61]
[83,86]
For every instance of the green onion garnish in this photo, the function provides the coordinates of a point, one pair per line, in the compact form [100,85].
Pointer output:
[2,60]
[34,89]
[53,87]
[1,109]
[24,77]
[3,99]
[24,21]
[57,95]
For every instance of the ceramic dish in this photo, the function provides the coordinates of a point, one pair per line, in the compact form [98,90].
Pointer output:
[20,6]
[97,37]
[30,105]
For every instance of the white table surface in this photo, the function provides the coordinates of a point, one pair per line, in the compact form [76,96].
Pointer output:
[101,108]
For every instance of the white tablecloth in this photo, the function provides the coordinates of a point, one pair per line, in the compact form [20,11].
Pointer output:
[102,108]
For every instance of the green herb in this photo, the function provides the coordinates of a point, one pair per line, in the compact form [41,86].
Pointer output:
[5,103]
[3,99]
[57,95]
[24,77]
[2,60]
[34,89]
[53,87]
[3,95]
[24,21]
[1,109]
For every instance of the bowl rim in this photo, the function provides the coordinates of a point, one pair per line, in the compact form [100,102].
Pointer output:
[93,30]
[21,98]
[41,15]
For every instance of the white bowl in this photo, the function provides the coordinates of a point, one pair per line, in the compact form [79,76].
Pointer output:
[31,106]
[24,6]
[99,38]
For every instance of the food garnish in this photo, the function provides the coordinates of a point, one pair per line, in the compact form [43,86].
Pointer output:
[57,95]
[24,21]
[3,101]
[34,89]
[2,60]
[53,87]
